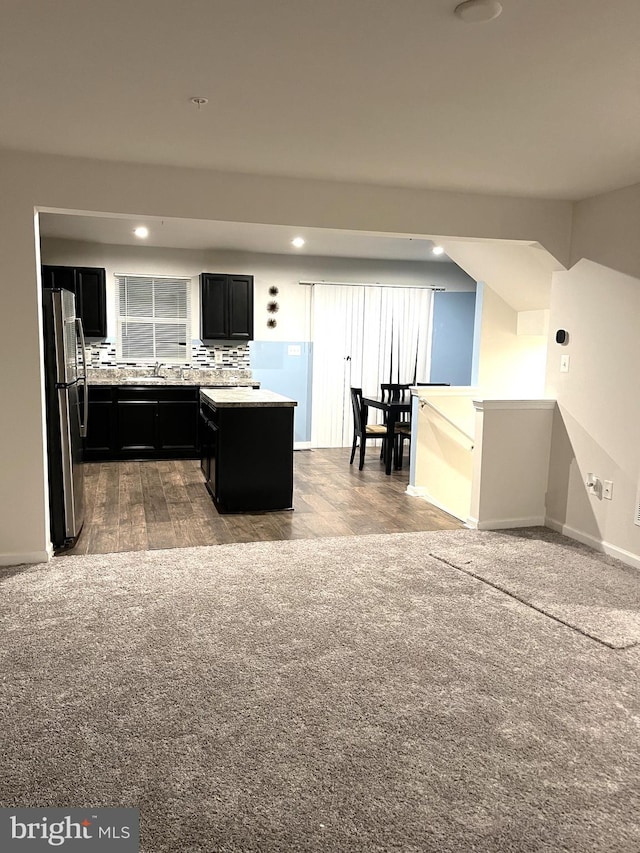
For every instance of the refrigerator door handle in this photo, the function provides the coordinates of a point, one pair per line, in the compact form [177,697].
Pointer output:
[85,402]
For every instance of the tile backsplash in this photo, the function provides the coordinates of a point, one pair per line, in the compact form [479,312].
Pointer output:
[103,354]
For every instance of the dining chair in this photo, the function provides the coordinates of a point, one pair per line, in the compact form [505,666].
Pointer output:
[361,429]
[395,392]
[402,433]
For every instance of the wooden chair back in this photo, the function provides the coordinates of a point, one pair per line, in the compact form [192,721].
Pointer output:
[393,392]
[359,411]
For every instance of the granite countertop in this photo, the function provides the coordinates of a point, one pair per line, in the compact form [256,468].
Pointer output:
[188,376]
[243,397]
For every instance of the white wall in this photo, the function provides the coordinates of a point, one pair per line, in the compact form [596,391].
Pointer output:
[510,364]
[596,428]
[443,462]
[282,271]
[33,181]
[606,230]
[511,462]
[24,518]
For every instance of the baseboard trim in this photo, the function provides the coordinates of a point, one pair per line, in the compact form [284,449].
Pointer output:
[302,445]
[506,523]
[601,545]
[416,491]
[27,557]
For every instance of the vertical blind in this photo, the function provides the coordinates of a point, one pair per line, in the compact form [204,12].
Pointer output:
[153,318]
[363,336]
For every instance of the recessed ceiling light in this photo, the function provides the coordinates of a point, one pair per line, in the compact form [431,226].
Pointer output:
[141,232]
[478,11]
[437,250]
[298,242]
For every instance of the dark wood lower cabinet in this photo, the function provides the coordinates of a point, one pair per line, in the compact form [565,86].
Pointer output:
[178,425]
[137,424]
[247,457]
[99,442]
[142,423]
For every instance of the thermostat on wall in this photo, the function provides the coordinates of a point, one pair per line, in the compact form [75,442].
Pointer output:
[562,336]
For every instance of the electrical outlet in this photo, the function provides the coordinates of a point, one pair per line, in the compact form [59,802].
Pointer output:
[218,356]
[607,490]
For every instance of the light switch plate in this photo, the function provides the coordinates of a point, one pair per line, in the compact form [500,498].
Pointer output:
[564,364]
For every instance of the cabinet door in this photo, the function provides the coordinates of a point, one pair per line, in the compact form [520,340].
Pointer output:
[178,425]
[90,287]
[205,459]
[100,433]
[91,296]
[100,441]
[240,308]
[213,306]
[137,425]
[55,276]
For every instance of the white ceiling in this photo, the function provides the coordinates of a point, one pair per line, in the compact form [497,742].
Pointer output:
[237,236]
[520,273]
[542,101]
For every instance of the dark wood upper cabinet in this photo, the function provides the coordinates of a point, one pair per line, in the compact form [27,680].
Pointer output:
[91,291]
[90,287]
[214,306]
[226,307]
[64,277]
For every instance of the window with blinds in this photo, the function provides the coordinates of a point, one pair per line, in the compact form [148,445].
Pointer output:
[153,318]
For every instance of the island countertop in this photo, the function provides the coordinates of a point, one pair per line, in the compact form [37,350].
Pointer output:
[222,398]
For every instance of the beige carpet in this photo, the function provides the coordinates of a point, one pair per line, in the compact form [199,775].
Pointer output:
[595,595]
[350,694]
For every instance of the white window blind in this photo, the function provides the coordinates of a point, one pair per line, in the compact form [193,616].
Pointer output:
[153,318]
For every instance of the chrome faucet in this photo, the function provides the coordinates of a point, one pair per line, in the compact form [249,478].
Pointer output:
[157,369]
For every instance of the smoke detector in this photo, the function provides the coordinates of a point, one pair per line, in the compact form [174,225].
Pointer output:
[478,11]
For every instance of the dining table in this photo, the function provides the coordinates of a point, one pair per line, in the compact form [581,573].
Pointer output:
[393,412]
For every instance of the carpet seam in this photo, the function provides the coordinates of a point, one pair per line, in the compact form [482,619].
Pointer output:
[513,595]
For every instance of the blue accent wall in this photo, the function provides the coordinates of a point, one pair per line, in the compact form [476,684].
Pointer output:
[276,367]
[452,338]
[477,330]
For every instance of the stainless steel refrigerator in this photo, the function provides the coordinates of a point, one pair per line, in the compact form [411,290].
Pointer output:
[67,407]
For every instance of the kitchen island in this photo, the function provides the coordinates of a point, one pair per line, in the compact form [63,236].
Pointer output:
[247,448]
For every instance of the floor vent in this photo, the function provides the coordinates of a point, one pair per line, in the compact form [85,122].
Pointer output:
[636,519]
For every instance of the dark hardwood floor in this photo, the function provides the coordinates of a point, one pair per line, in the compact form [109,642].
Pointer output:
[137,506]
